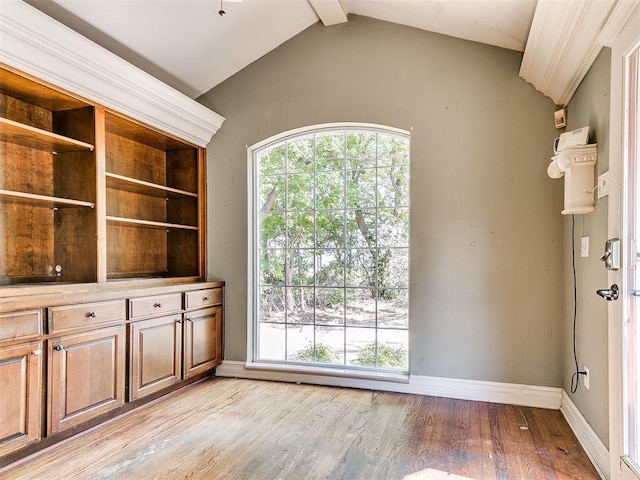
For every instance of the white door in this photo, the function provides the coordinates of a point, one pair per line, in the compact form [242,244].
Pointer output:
[624,223]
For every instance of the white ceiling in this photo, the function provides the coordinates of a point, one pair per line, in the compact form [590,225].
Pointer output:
[188,45]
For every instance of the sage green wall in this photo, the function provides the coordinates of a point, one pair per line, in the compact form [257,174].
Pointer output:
[590,106]
[486,231]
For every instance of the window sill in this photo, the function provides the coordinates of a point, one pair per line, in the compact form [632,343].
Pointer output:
[330,372]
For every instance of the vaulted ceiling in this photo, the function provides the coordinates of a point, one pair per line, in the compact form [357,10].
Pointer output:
[190,46]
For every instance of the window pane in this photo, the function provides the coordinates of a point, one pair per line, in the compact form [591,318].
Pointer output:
[272,231]
[361,188]
[272,304]
[393,187]
[300,342]
[393,308]
[329,190]
[361,267]
[300,230]
[330,229]
[300,267]
[272,341]
[393,268]
[361,228]
[330,268]
[393,227]
[393,348]
[329,306]
[392,150]
[300,192]
[361,346]
[330,345]
[272,267]
[330,151]
[271,161]
[299,304]
[300,155]
[361,307]
[361,149]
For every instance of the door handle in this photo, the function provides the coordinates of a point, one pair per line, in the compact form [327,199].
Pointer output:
[609,294]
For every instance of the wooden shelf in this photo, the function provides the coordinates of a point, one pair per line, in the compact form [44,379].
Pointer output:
[120,182]
[42,200]
[149,223]
[28,136]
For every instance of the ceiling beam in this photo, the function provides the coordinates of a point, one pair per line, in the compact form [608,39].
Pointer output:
[330,12]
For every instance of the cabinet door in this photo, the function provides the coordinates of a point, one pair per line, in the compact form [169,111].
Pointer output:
[20,409]
[155,354]
[202,340]
[86,376]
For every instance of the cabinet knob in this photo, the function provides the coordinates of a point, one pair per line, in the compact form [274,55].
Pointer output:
[205,299]
[92,314]
[188,319]
[37,352]
[58,348]
[157,305]
[178,321]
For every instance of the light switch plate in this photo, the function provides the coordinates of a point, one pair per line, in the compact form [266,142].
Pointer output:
[584,247]
[603,184]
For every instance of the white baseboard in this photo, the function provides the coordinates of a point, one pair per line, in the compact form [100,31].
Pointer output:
[591,443]
[511,393]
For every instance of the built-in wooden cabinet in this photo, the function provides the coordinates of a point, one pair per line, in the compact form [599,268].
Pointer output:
[166,349]
[153,192]
[70,360]
[47,184]
[21,358]
[20,410]
[87,195]
[202,340]
[102,253]
[155,347]
[86,376]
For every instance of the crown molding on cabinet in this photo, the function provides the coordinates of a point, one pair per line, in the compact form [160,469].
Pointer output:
[36,44]
[565,39]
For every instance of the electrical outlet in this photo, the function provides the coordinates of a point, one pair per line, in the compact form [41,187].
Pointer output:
[585,377]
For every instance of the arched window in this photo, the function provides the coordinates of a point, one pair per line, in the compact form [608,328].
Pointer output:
[330,255]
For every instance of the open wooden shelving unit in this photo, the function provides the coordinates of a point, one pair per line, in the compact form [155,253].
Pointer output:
[89,196]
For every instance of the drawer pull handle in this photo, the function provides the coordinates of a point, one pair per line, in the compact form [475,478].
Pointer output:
[92,314]
[37,352]
[59,348]
[205,299]
[157,305]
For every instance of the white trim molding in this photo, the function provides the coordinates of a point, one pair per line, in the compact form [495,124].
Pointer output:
[565,39]
[38,45]
[496,392]
[589,440]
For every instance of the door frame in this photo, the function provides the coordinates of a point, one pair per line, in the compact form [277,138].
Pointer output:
[624,44]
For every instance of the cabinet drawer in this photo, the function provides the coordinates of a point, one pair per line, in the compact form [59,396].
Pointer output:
[202,298]
[145,306]
[20,325]
[86,314]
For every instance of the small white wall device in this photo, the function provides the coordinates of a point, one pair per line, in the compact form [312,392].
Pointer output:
[575,160]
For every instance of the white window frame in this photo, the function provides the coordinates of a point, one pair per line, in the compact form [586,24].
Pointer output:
[253,233]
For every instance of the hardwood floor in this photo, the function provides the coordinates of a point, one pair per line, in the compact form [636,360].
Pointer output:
[246,429]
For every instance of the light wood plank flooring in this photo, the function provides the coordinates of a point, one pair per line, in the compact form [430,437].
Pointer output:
[245,429]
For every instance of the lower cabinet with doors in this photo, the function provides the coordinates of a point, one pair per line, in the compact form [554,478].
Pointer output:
[166,349]
[68,363]
[20,380]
